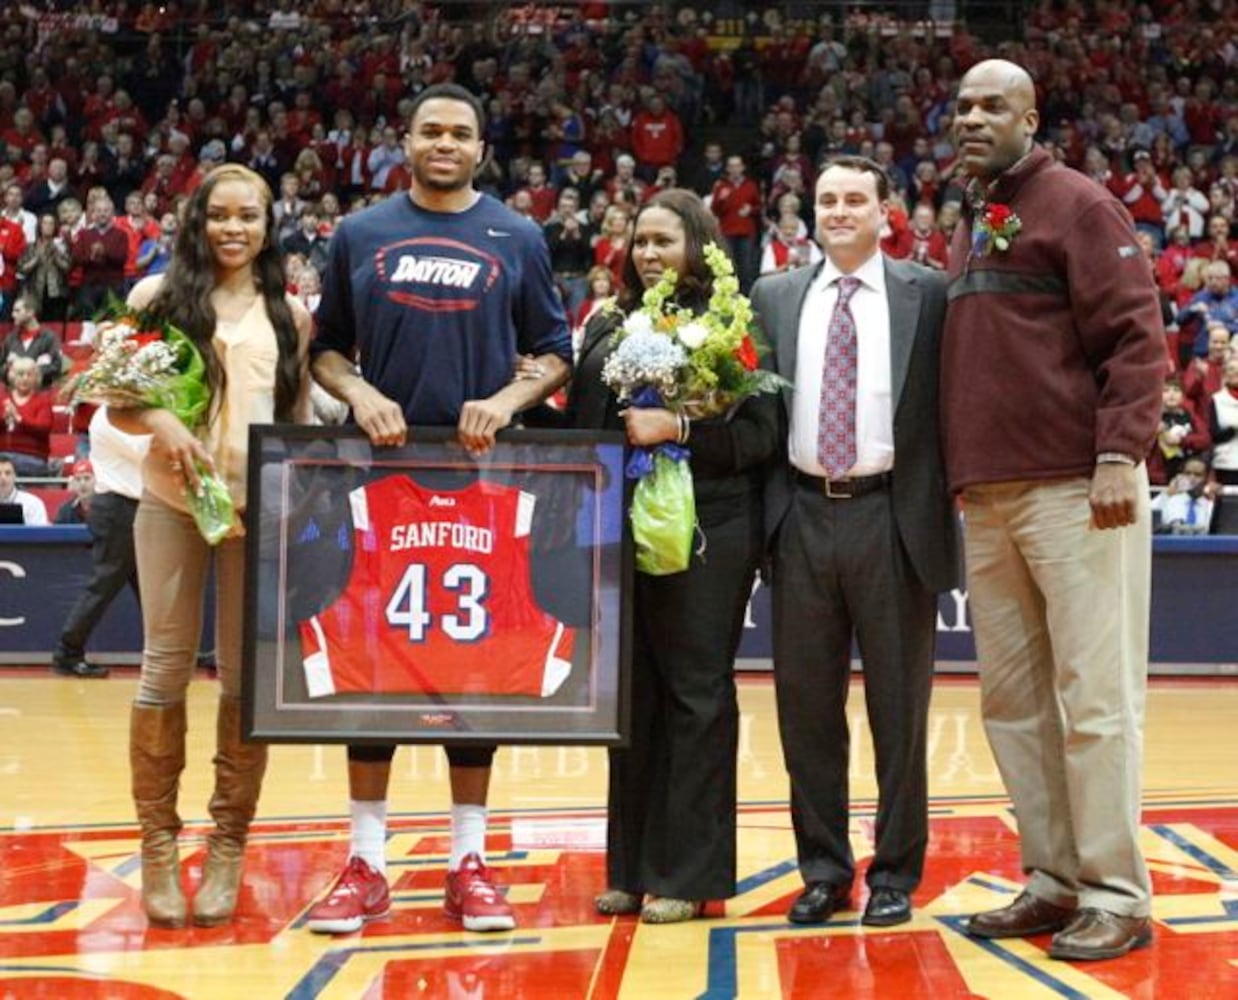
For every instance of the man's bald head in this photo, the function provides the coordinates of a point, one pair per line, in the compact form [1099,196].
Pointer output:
[1009,77]
[995,118]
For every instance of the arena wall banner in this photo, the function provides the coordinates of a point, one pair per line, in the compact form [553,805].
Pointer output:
[420,594]
[1194,630]
[43,571]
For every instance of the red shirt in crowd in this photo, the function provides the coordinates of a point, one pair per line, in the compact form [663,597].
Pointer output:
[737,204]
[12,245]
[1225,250]
[657,139]
[1201,380]
[898,242]
[1169,267]
[931,248]
[31,434]
[611,254]
[101,255]
[544,199]
[136,230]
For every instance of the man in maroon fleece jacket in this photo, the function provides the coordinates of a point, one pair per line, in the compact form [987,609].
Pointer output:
[1052,365]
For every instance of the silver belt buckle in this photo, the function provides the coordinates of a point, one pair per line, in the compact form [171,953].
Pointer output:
[836,496]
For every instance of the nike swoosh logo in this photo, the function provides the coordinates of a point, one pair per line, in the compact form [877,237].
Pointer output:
[496,232]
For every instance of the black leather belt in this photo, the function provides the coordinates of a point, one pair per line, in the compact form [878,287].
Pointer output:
[844,489]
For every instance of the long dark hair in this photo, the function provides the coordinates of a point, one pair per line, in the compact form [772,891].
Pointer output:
[700,228]
[184,297]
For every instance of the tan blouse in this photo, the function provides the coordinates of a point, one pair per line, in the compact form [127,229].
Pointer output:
[248,354]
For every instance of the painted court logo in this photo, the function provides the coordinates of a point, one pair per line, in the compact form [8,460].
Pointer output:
[435,274]
[71,923]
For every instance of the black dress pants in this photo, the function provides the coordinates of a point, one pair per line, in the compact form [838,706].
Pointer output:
[113,564]
[841,572]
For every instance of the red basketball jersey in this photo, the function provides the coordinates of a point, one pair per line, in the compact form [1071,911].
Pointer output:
[440,599]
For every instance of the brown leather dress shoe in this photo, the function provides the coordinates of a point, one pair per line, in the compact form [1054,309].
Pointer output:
[1097,934]
[1026,916]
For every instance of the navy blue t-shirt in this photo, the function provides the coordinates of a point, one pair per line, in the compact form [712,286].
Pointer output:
[437,305]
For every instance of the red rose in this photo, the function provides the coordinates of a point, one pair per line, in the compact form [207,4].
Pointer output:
[998,214]
[746,353]
[147,337]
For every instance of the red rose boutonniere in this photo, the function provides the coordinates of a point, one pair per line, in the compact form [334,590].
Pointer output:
[994,230]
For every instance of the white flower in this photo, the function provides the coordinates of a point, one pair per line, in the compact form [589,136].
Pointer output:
[692,335]
[638,322]
[113,334]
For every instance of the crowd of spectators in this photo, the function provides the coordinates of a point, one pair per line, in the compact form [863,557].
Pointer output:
[108,119]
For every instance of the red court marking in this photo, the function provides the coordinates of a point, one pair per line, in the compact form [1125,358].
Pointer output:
[71,988]
[1170,964]
[872,965]
[563,973]
[614,959]
[283,874]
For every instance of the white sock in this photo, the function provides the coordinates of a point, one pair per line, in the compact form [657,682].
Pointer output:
[468,834]
[369,833]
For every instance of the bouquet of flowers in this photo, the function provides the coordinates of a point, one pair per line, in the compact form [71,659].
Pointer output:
[140,361]
[696,365]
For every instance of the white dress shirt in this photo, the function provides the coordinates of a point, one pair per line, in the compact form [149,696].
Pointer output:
[34,511]
[116,456]
[874,411]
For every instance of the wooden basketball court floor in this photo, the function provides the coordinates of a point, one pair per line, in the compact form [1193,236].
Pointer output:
[71,924]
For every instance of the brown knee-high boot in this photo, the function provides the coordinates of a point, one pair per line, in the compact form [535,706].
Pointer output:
[156,758]
[239,768]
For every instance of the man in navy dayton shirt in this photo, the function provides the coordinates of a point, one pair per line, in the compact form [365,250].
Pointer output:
[433,294]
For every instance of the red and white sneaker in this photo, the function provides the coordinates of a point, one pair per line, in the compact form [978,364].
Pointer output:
[473,899]
[359,894]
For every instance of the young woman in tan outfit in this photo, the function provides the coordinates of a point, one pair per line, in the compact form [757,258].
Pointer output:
[224,288]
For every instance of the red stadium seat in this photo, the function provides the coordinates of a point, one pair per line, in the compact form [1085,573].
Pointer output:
[81,416]
[78,350]
[63,444]
[52,497]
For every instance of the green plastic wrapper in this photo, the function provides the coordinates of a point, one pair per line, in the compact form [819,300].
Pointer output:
[185,394]
[212,509]
[664,517]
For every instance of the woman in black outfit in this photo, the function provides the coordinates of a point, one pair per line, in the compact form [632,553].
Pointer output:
[671,832]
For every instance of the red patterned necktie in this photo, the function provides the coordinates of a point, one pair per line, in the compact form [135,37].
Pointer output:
[836,427]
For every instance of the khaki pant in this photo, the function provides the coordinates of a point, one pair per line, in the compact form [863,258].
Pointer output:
[175,561]
[1060,612]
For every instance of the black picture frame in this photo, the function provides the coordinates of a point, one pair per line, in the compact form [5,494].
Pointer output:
[507,622]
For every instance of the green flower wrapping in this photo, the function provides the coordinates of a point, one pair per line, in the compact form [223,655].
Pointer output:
[140,361]
[185,394]
[211,507]
[664,517]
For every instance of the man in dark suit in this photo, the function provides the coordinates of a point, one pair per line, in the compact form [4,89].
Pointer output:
[862,534]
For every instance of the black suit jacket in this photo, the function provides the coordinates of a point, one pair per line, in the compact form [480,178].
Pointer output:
[923,509]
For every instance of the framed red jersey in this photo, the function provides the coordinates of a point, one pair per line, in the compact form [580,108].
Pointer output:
[419,594]
[439,600]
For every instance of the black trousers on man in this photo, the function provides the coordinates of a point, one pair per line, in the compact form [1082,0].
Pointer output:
[840,570]
[113,565]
